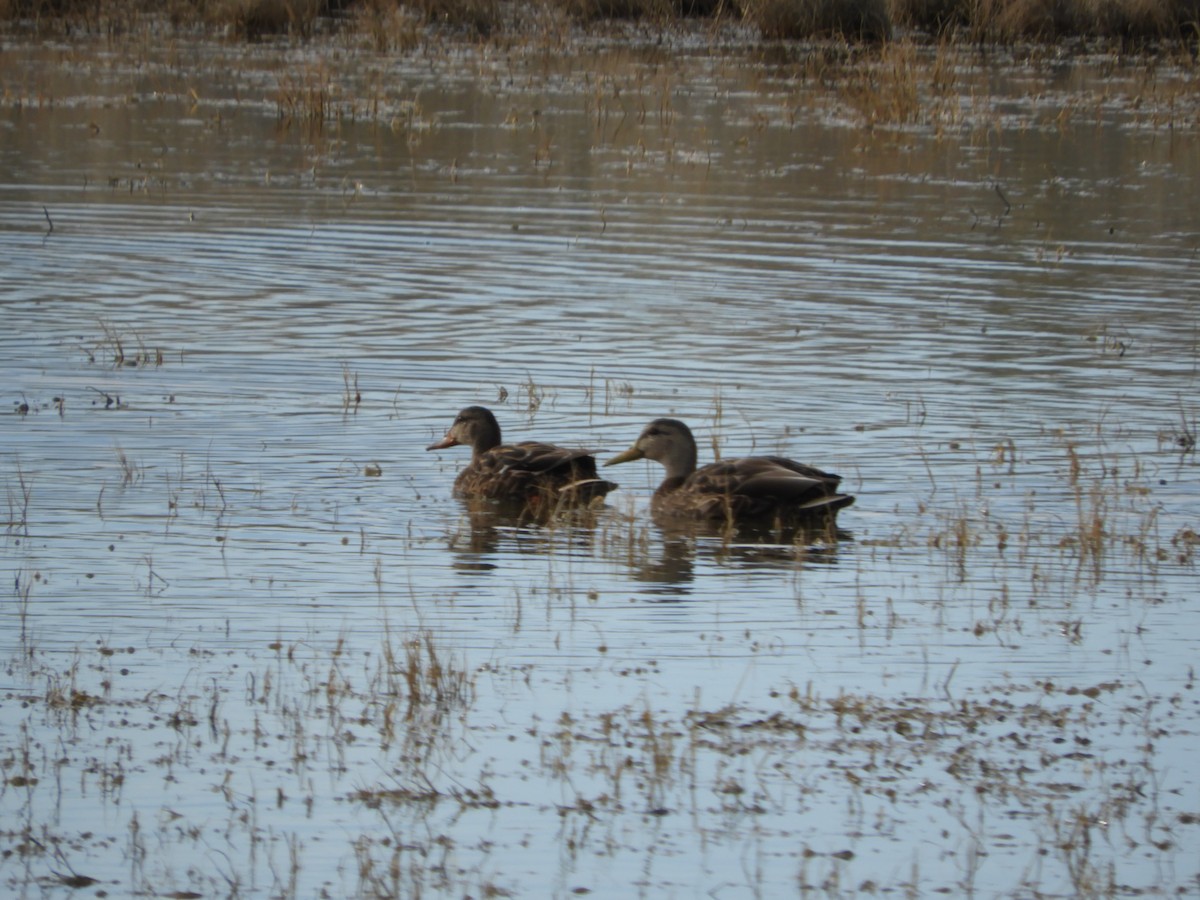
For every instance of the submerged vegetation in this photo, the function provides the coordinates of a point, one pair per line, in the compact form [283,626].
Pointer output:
[996,21]
[369,763]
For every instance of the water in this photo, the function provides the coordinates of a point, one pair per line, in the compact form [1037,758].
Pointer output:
[238,661]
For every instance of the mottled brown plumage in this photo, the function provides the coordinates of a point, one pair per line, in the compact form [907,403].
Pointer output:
[530,472]
[746,489]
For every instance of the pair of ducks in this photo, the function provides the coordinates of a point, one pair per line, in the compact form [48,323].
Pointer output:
[745,489]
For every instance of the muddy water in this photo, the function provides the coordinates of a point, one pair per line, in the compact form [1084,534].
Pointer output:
[243,288]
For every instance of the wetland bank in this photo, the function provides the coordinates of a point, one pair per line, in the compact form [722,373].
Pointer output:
[253,647]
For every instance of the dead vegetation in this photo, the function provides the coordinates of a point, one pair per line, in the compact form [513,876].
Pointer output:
[1007,21]
[385,756]
[392,24]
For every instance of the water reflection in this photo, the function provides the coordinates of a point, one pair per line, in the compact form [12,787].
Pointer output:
[662,554]
[678,550]
[492,529]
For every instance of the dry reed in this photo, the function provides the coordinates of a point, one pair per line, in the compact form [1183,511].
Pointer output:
[390,24]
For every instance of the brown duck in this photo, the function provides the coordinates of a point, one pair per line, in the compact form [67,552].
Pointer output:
[530,472]
[745,489]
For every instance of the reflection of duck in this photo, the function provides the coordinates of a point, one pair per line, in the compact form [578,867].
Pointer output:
[530,473]
[495,533]
[750,489]
[668,567]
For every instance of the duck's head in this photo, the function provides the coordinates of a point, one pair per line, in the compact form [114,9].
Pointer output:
[666,441]
[474,426]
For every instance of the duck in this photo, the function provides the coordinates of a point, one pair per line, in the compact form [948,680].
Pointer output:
[747,489]
[531,473]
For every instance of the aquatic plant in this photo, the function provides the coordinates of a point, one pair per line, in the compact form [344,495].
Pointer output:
[390,26]
[351,395]
[1183,435]
[113,344]
[18,496]
[309,97]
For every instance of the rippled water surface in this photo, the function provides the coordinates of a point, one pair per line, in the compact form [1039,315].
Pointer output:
[254,647]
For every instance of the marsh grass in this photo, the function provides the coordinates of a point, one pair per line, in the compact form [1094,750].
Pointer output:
[1185,543]
[116,347]
[18,496]
[432,679]
[22,592]
[390,25]
[351,395]
[1183,435]
[530,395]
[1009,746]
[310,98]
[618,394]
[131,471]
[393,729]
[959,532]
[905,83]
[627,534]
[1105,516]
[1008,21]
[888,90]
[1091,505]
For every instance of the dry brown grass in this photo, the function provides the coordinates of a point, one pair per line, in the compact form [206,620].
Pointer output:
[1047,20]
[393,24]
[250,19]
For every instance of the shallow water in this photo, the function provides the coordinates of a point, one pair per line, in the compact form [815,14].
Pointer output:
[220,320]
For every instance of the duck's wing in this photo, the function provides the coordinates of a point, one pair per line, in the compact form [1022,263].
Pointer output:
[528,468]
[801,469]
[754,486]
[785,479]
[539,457]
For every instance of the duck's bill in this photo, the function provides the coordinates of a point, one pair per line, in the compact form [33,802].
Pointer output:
[628,456]
[445,442]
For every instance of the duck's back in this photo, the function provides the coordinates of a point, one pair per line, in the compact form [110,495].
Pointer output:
[753,487]
[532,470]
